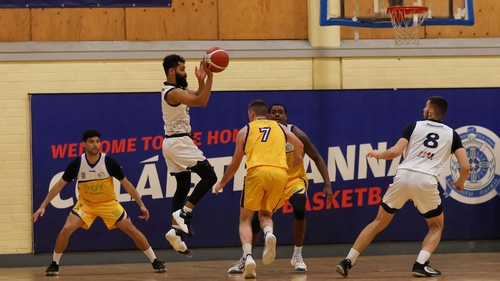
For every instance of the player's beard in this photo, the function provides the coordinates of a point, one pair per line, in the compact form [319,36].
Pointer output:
[181,80]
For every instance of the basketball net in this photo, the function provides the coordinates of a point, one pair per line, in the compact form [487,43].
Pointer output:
[406,20]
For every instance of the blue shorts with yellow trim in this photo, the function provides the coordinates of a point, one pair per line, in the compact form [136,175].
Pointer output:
[111,212]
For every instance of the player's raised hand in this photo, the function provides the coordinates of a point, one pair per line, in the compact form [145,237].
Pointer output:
[200,72]
[206,68]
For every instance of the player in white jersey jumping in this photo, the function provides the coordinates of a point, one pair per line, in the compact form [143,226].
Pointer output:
[182,156]
[428,145]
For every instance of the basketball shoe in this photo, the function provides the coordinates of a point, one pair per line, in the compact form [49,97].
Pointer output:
[298,262]
[249,269]
[424,270]
[343,267]
[269,252]
[52,270]
[183,219]
[238,268]
[159,266]
[174,237]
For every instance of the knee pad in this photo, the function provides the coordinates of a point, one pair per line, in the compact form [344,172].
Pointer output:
[298,202]
[205,171]
[433,213]
[255,223]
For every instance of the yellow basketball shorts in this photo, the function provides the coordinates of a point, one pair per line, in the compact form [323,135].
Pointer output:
[294,186]
[111,212]
[263,188]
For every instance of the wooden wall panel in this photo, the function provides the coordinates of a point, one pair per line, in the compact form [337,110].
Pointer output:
[487,17]
[262,19]
[78,24]
[15,25]
[185,20]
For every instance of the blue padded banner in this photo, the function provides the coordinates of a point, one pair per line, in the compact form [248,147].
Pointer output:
[83,3]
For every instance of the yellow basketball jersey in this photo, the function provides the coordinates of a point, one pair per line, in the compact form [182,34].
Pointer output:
[297,171]
[264,144]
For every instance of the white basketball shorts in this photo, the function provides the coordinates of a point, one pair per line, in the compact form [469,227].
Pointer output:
[419,187]
[181,153]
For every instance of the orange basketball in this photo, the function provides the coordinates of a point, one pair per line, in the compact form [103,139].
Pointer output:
[217,58]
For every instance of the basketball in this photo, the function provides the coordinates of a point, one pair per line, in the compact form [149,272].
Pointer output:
[217,58]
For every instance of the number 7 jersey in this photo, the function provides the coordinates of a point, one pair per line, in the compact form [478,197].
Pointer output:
[265,144]
[430,144]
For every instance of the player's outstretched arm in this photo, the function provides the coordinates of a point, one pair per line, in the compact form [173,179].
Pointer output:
[390,153]
[313,153]
[52,193]
[239,151]
[127,185]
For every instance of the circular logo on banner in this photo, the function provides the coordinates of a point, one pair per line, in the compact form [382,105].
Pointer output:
[483,183]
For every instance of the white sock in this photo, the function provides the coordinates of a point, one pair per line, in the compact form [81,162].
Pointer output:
[297,251]
[247,249]
[423,256]
[268,229]
[176,226]
[187,209]
[353,255]
[56,257]
[150,254]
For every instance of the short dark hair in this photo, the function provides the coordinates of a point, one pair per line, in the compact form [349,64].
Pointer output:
[259,107]
[276,104]
[439,104]
[90,134]
[172,61]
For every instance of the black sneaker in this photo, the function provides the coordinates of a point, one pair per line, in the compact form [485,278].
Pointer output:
[52,270]
[183,219]
[343,267]
[159,266]
[424,270]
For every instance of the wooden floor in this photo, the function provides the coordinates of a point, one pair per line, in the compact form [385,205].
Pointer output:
[456,267]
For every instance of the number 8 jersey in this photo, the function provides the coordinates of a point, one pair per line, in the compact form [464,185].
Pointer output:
[430,145]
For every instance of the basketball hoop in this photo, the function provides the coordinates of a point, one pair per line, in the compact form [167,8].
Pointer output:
[406,21]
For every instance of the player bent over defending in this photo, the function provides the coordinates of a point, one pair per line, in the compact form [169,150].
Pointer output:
[96,169]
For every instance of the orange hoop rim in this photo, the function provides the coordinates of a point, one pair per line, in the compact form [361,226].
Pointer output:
[407,10]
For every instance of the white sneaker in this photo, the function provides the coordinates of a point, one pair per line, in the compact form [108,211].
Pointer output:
[183,219]
[250,268]
[269,249]
[176,241]
[299,264]
[238,267]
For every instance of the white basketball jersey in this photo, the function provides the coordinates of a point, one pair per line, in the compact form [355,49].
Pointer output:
[175,118]
[429,148]
[95,184]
